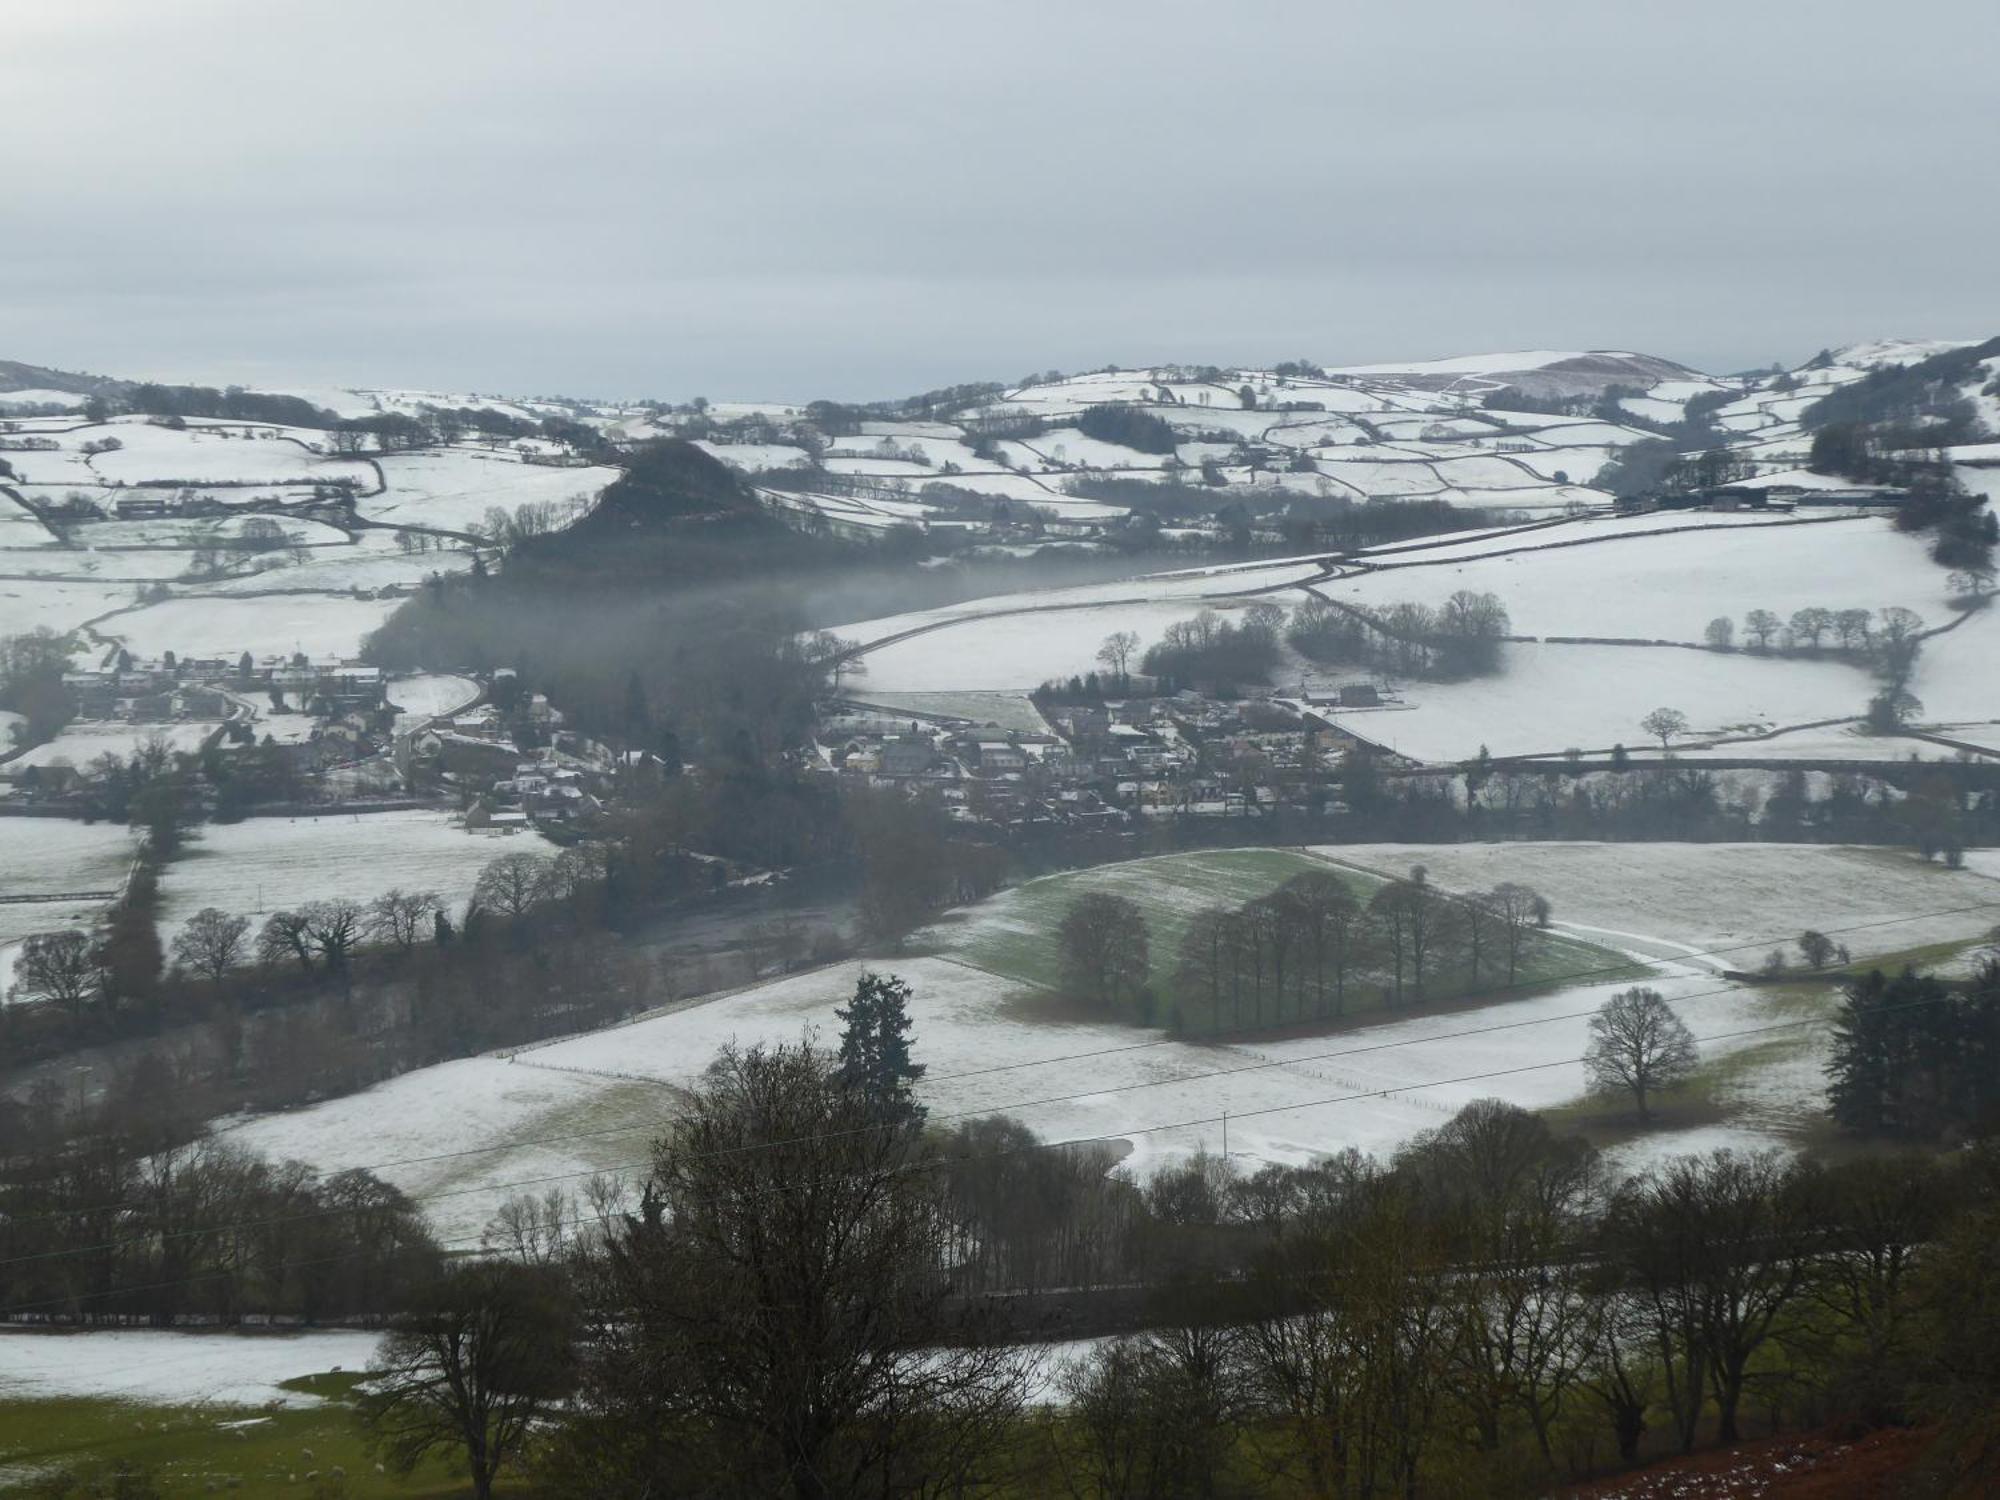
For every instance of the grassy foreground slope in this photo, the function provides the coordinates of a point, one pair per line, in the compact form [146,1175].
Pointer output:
[189,1450]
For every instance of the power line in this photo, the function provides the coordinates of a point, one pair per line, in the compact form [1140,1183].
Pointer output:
[931,1163]
[932,1080]
[984,1111]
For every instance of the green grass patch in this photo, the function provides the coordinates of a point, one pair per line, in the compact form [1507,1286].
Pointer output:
[190,1451]
[1015,934]
[1722,1090]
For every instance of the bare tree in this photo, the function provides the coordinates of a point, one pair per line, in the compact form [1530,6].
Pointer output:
[513,885]
[285,935]
[1719,1247]
[1523,915]
[1664,724]
[1418,925]
[1899,634]
[1637,1043]
[1810,624]
[1721,633]
[1851,625]
[57,967]
[1327,924]
[403,917]
[474,1366]
[212,943]
[775,1315]
[1117,650]
[1761,625]
[1105,960]
[334,929]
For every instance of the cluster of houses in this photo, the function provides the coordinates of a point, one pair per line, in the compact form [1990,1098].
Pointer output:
[565,780]
[1110,762]
[172,687]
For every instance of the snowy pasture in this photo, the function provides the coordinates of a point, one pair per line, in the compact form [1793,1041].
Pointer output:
[1015,651]
[452,489]
[1214,585]
[262,865]
[1668,586]
[198,455]
[82,742]
[457,1135]
[318,624]
[30,604]
[1551,698]
[1732,901]
[159,1367]
[59,874]
[339,570]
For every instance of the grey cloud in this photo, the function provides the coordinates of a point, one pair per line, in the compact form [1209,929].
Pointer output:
[798,199]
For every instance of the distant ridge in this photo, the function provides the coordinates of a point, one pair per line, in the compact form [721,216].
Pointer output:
[1538,372]
[16,376]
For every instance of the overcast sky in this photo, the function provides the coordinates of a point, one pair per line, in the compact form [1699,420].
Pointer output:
[853,198]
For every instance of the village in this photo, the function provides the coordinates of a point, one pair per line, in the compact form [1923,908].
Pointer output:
[1109,762]
[327,732]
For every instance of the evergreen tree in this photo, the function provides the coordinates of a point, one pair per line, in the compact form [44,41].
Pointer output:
[1914,1057]
[875,1046]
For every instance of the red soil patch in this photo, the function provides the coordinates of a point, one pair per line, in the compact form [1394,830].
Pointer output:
[1807,1466]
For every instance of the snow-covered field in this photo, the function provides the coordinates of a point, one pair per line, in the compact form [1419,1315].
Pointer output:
[320,625]
[1017,652]
[1829,742]
[453,489]
[338,570]
[1745,898]
[195,456]
[156,1367]
[61,607]
[262,865]
[56,857]
[1188,588]
[1669,586]
[82,742]
[1956,676]
[1553,698]
[457,1135]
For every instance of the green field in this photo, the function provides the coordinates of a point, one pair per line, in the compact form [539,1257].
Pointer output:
[318,1452]
[1015,933]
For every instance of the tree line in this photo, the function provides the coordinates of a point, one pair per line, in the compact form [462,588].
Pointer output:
[1306,952]
[1461,638]
[813,1291]
[802,1301]
[1215,654]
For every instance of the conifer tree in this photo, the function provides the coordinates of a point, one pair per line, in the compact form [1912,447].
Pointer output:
[875,1046]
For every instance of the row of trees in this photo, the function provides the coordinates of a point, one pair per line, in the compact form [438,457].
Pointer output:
[117,1210]
[1215,654]
[1304,952]
[796,1305]
[1890,635]
[1460,638]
